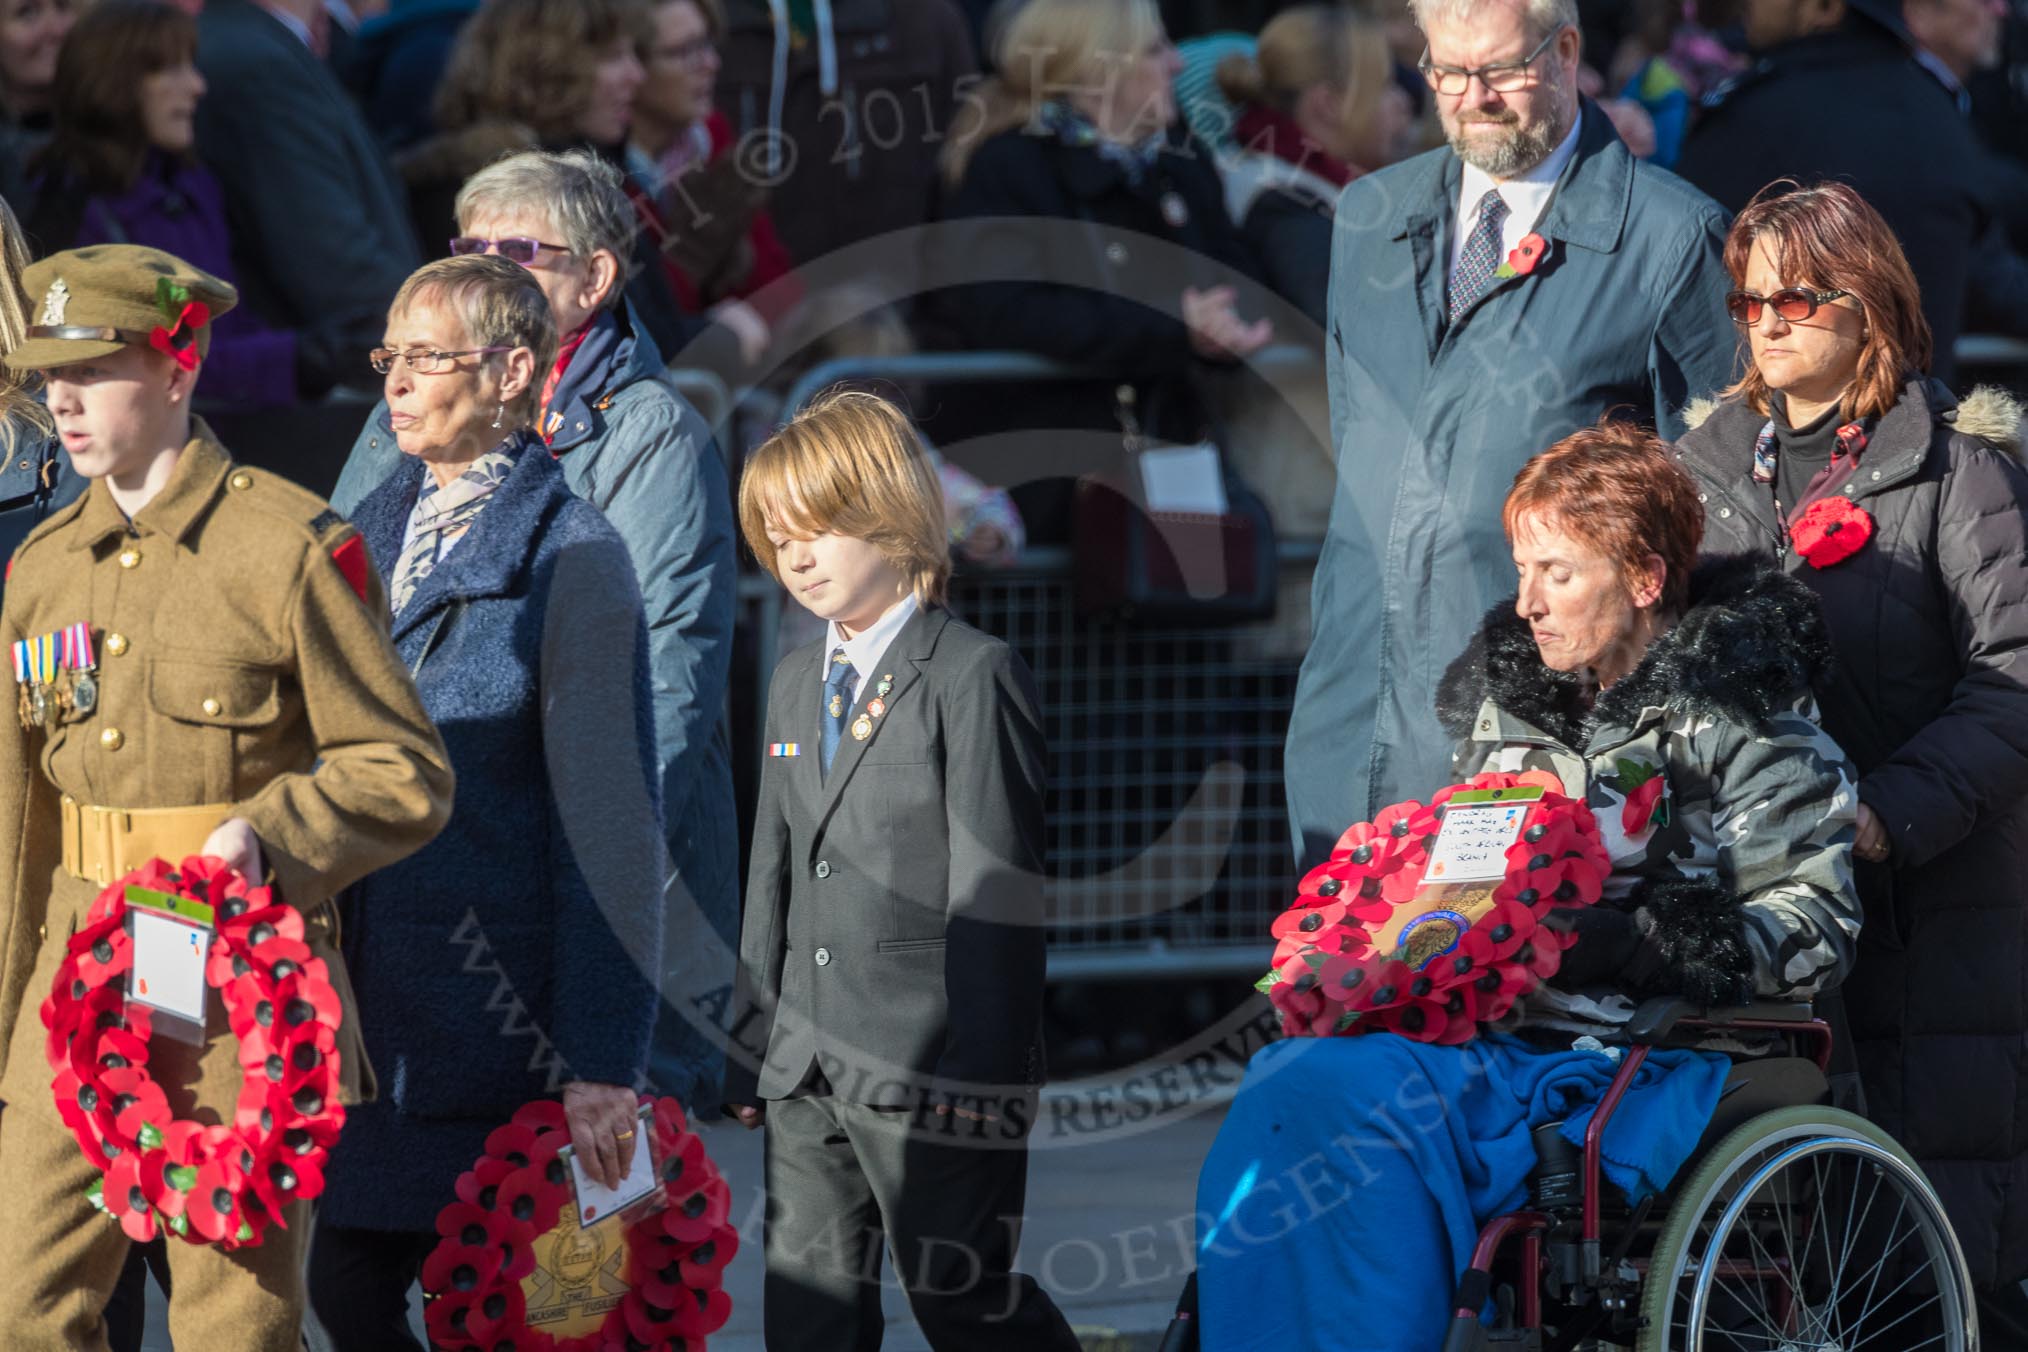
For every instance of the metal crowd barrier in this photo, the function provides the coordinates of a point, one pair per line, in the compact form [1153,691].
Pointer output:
[1168,835]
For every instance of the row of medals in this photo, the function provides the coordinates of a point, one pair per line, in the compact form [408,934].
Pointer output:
[862,726]
[43,704]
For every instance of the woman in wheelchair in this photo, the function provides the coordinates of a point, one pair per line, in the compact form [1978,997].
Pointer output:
[1348,1184]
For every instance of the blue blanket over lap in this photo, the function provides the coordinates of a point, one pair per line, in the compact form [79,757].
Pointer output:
[1349,1181]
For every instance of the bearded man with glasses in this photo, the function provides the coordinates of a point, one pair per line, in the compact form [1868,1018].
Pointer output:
[1486,299]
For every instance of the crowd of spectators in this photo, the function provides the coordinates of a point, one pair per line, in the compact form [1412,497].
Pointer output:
[974,168]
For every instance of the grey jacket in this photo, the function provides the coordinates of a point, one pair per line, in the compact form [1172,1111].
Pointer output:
[1430,423]
[893,934]
[320,227]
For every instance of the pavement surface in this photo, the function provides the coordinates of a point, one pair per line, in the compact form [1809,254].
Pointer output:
[1110,1217]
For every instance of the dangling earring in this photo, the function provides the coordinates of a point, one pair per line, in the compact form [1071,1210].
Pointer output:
[498,414]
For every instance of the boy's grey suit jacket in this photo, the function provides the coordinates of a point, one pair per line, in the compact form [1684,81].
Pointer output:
[892,935]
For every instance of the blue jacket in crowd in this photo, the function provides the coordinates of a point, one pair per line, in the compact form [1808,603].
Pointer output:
[1431,421]
[632,447]
[519,950]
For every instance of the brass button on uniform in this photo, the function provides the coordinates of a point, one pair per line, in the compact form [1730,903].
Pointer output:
[130,558]
[212,708]
[112,739]
[241,480]
[116,644]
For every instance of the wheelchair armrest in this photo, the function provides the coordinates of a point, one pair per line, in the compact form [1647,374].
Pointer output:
[1656,1019]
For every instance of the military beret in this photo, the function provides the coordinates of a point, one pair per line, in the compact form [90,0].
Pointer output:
[91,302]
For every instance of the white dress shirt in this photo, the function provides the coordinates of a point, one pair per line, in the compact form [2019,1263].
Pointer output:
[1525,194]
[865,650]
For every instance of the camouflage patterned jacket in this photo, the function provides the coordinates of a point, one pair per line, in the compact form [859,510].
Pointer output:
[1727,811]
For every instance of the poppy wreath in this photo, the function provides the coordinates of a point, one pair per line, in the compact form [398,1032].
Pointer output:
[1329,979]
[514,1194]
[1831,530]
[219,1183]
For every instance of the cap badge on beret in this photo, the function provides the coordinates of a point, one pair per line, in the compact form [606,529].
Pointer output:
[54,303]
[178,338]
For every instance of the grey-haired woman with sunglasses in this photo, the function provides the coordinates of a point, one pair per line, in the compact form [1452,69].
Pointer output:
[1906,511]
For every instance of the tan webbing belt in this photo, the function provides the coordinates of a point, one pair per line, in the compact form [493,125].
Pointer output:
[103,843]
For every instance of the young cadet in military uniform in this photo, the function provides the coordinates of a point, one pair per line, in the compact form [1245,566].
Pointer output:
[230,690]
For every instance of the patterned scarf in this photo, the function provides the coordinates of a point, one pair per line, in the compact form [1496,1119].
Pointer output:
[443,512]
[1073,128]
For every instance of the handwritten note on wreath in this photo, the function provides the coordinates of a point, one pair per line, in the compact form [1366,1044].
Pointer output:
[1479,826]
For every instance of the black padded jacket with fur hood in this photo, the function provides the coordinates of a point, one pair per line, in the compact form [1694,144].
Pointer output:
[1929,697]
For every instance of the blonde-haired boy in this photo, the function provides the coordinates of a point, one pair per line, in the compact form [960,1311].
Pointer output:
[891,956]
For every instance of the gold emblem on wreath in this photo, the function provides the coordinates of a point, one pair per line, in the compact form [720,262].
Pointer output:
[1427,941]
[54,303]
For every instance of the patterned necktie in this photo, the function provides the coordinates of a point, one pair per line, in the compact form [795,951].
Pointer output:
[837,703]
[1481,256]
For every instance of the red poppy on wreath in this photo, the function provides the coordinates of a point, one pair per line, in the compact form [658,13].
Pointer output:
[1831,530]
[1523,257]
[1331,976]
[215,1184]
[473,1282]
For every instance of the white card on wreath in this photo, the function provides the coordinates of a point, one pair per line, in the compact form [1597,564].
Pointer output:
[169,960]
[595,1201]
[1479,827]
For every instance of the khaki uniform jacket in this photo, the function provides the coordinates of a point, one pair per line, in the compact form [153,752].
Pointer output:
[237,664]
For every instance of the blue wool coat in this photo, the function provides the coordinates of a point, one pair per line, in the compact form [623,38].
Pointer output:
[1430,422]
[632,447]
[516,951]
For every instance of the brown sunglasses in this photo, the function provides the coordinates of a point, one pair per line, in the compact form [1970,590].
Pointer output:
[1793,303]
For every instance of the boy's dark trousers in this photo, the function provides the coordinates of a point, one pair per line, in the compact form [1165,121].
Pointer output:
[945,1194]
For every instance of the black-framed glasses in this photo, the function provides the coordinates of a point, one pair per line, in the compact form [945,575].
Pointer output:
[1793,303]
[515,248]
[1502,77]
[425,361]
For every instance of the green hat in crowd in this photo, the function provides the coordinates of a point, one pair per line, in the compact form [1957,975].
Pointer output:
[89,303]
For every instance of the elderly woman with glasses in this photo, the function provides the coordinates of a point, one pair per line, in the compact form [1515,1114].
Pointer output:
[514,603]
[630,446]
[1905,509]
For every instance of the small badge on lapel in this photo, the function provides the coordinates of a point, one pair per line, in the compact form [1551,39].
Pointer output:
[785,748]
[875,707]
[886,684]
[862,728]
[1174,211]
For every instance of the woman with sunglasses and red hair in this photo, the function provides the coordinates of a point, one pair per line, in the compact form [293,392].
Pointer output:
[1906,511]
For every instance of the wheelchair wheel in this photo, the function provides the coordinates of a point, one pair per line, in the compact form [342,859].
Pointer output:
[1807,1230]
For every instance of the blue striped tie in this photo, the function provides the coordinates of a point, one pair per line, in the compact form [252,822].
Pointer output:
[837,703]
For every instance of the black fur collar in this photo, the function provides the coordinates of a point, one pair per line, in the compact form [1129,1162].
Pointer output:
[1750,640]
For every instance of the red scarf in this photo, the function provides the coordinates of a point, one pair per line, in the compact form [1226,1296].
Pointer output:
[563,356]
[1262,130]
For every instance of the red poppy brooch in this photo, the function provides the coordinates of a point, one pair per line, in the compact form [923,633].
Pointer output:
[1522,258]
[177,339]
[1831,530]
